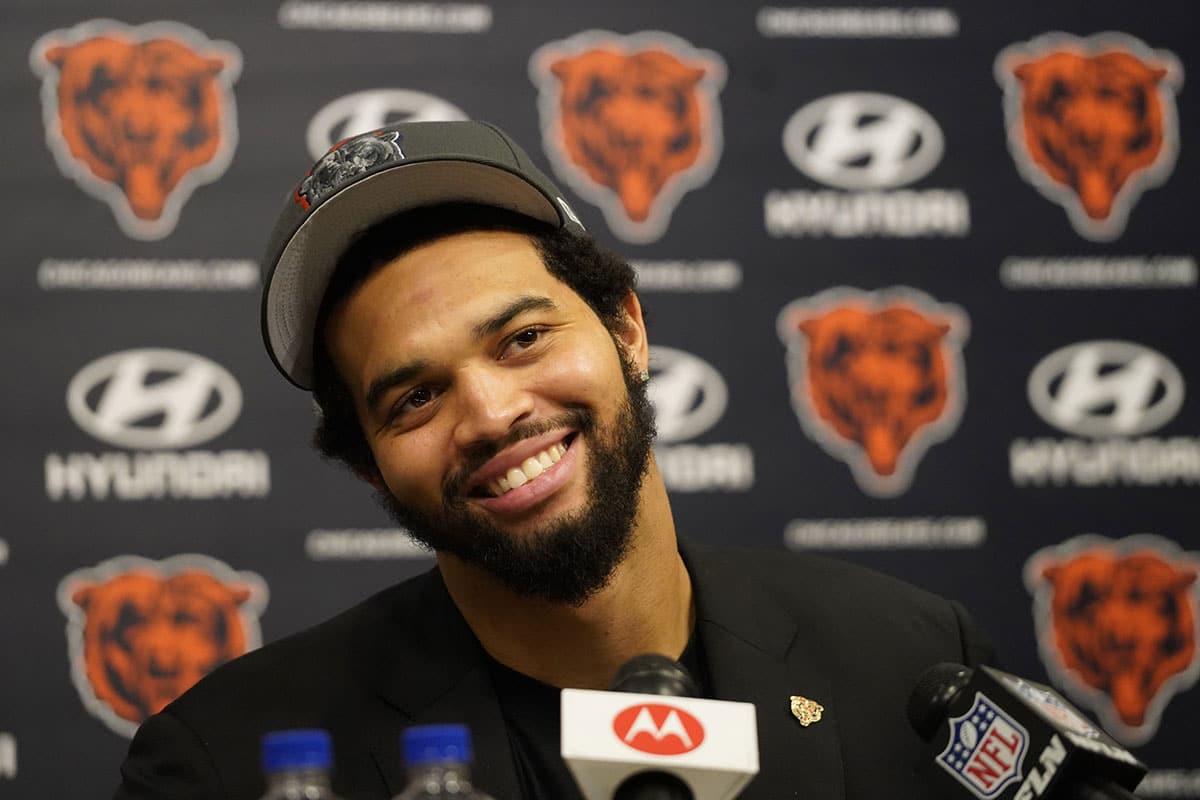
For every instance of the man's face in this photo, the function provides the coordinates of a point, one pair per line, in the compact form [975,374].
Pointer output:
[505,418]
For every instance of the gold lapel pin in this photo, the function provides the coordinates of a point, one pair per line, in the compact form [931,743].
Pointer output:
[805,710]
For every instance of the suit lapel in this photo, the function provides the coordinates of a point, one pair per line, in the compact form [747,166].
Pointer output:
[428,665]
[756,653]
[425,663]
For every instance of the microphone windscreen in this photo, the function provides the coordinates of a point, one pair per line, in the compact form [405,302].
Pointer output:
[653,673]
[932,694]
[653,786]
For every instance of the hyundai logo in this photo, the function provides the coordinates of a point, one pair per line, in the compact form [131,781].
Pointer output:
[1106,388]
[863,140]
[688,394]
[154,399]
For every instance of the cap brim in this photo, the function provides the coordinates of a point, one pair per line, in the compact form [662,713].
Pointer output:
[298,281]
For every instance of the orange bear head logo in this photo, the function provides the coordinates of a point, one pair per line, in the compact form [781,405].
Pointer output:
[138,116]
[1091,123]
[143,632]
[632,123]
[1117,626]
[876,378]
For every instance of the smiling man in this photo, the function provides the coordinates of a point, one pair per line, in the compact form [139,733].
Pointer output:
[483,364]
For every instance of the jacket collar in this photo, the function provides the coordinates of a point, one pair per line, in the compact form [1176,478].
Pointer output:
[757,653]
[424,661]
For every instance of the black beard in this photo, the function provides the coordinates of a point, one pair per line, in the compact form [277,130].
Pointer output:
[570,559]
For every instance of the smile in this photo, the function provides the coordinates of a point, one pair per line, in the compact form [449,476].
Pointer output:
[524,475]
[529,469]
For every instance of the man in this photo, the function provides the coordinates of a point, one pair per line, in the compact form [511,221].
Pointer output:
[483,364]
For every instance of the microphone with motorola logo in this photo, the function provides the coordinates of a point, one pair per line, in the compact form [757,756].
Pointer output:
[650,738]
[995,736]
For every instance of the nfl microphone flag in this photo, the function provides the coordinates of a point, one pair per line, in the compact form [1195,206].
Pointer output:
[1008,738]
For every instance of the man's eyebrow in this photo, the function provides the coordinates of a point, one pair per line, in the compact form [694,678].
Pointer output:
[402,374]
[510,312]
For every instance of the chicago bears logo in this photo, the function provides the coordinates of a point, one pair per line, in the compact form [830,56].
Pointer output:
[1091,122]
[138,116]
[1117,626]
[141,632]
[876,377]
[630,122]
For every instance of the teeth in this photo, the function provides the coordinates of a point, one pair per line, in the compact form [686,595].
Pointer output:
[516,478]
[530,468]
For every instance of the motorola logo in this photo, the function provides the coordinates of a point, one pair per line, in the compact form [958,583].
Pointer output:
[688,394]
[658,729]
[154,399]
[370,110]
[863,140]
[1105,389]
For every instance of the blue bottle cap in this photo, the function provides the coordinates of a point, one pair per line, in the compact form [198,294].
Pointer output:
[428,744]
[302,749]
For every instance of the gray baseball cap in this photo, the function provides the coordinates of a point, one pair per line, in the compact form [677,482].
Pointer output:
[366,179]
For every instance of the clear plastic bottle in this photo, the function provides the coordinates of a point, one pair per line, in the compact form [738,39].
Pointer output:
[296,764]
[439,763]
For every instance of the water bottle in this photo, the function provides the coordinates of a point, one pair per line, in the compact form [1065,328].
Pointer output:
[297,764]
[439,763]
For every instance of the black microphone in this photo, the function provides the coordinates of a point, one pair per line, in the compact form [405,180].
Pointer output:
[652,673]
[995,736]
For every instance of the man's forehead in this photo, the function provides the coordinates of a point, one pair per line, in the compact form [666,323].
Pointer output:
[458,285]
[496,260]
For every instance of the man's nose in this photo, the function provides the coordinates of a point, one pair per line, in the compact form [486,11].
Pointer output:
[491,400]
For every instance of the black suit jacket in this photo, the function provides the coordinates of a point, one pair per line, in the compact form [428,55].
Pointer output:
[771,624]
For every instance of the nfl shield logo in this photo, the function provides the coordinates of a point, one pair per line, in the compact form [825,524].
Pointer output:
[985,750]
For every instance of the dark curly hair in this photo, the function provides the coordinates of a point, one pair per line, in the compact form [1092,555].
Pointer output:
[600,277]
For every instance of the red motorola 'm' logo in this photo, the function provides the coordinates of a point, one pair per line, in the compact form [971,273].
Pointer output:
[658,729]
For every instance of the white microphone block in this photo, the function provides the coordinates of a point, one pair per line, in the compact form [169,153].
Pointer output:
[711,745]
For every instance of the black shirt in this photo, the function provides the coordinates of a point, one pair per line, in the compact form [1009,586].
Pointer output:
[531,716]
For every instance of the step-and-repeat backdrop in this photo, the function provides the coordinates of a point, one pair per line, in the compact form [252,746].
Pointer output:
[922,286]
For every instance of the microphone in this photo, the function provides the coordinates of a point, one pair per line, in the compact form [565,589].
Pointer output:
[1008,738]
[650,738]
[652,673]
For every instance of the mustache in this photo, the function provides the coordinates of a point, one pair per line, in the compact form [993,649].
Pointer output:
[581,419]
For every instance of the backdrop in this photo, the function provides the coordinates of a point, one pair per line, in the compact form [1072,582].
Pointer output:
[921,283]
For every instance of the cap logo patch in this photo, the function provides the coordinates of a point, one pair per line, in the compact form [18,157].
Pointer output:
[345,162]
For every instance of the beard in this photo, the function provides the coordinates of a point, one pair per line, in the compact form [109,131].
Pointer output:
[568,559]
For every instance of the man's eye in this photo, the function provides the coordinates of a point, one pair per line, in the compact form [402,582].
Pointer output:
[417,397]
[414,400]
[523,340]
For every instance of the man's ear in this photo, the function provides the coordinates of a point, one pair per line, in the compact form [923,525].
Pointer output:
[632,332]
